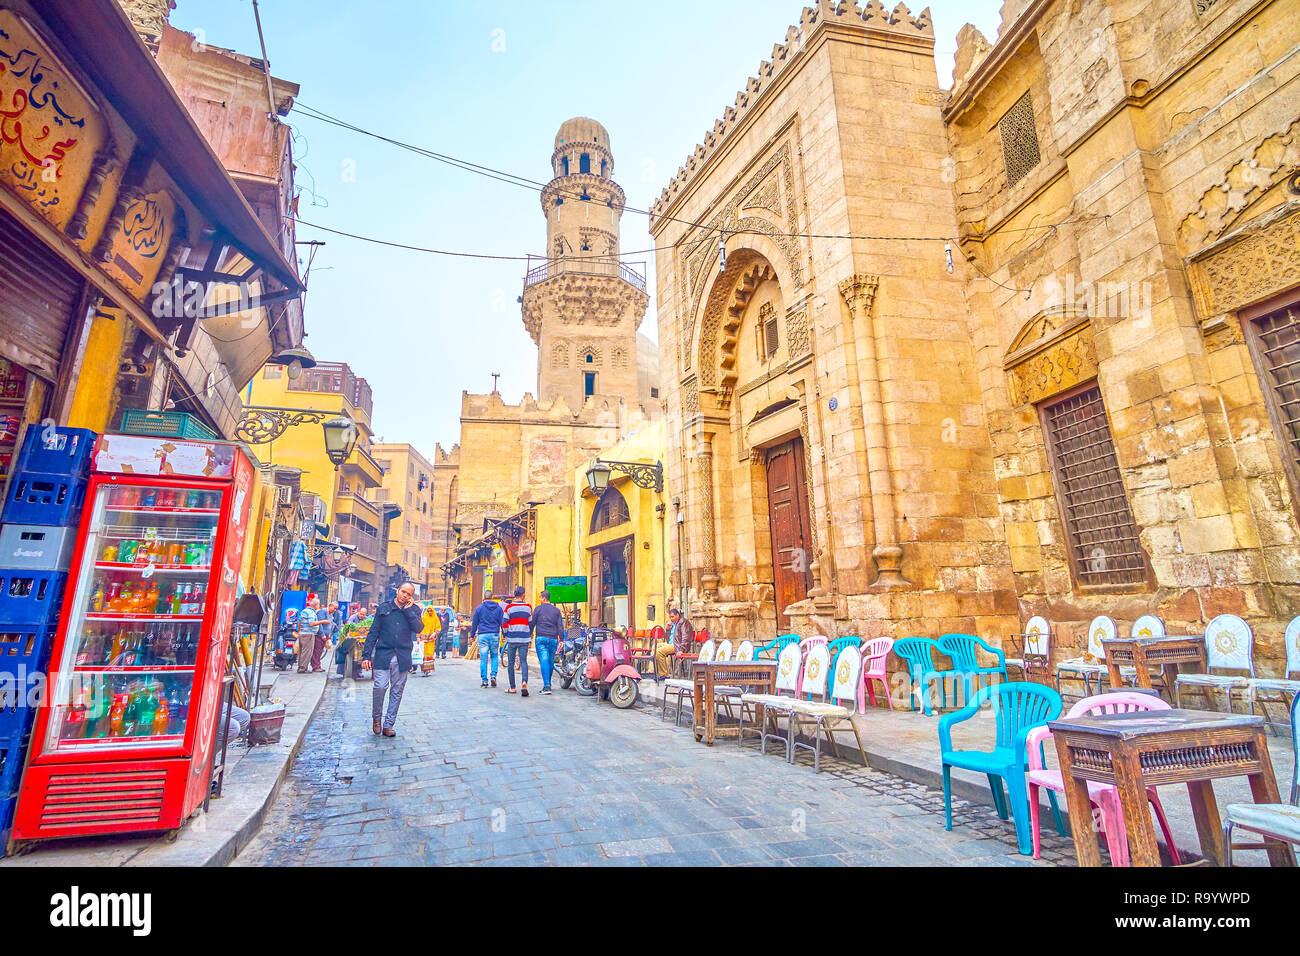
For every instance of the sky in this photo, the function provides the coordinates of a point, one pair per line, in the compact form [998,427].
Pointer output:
[489,83]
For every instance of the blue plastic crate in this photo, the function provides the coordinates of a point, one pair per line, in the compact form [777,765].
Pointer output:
[30,598]
[57,451]
[13,752]
[24,654]
[48,483]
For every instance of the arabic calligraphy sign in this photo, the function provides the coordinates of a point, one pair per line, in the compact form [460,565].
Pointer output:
[140,246]
[49,129]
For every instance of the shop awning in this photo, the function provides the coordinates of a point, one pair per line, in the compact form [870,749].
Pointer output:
[106,48]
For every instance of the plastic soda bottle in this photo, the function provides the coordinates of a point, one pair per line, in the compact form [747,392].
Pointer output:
[117,716]
[162,716]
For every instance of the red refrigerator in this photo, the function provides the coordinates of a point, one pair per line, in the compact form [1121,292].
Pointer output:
[123,740]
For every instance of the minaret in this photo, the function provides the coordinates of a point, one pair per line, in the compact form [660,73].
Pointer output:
[582,307]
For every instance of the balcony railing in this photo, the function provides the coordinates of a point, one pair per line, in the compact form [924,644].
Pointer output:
[367,544]
[585,266]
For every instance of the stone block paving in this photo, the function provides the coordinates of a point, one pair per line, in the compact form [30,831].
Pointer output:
[481,777]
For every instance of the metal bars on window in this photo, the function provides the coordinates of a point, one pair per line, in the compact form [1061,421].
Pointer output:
[1019,139]
[1101,534]
[1279,348]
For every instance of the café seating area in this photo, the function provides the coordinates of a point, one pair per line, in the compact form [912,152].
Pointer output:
[1140,711]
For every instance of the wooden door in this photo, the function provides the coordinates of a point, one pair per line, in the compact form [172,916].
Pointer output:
[595,592]
[787,508]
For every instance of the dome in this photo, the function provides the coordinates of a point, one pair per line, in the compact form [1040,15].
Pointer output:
[580,129]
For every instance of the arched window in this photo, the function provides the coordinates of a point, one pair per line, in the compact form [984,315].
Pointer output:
[584,163]
[611,511]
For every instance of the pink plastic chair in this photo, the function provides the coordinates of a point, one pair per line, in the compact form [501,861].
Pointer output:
[1104,796]
[807,644]
[875,654]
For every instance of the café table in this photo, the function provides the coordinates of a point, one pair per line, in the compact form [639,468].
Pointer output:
[1143,749]
[754,676]
[1143,653]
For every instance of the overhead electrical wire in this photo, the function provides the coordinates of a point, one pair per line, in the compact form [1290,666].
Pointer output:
[537,186]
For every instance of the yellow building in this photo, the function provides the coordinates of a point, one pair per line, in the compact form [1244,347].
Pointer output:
[353,520]
[408,484]
[620,536]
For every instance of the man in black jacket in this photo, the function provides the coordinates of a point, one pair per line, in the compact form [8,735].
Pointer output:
[396,627]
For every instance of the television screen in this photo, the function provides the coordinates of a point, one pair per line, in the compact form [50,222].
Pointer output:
[567,590]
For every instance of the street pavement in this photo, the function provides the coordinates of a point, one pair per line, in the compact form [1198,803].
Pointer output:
[481,777]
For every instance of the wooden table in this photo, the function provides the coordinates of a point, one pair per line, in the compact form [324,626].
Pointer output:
[1143,653]
[1137,750]
[755,676]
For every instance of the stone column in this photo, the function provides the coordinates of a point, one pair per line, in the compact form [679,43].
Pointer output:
[709,567]
[859,293]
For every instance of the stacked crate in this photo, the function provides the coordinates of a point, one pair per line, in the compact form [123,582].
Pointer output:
[41,511]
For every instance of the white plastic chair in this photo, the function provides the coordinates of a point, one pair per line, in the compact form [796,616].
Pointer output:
[1148,625]
[1229,646]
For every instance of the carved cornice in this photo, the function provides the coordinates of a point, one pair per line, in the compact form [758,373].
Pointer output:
[873,18]
[859,291]
[1054,351]
[1252,267]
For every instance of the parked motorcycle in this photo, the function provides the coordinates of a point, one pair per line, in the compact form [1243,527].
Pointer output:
[571,655]
[286,647]
[609,669]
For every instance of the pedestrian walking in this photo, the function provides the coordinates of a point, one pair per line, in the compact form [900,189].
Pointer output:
[485,628]
[444,631]
[547,623]
[309,623]
[519,635]
[393,632]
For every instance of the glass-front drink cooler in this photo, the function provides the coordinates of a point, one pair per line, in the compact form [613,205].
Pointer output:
[125,736]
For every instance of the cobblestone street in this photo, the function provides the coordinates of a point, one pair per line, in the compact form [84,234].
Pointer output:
[479,777]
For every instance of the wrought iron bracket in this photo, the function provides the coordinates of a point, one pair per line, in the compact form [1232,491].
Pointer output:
[642,475]
[261,424]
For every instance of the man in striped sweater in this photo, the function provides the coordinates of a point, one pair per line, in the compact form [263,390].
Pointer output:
[518,634]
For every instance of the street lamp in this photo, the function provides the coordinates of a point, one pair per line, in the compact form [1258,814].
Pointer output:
[337,555]
[598,477]
[294,360]
[642,474]
[340,439]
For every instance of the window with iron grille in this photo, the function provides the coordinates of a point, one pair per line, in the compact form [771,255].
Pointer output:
[1101,535]
[767,334]
[1278,348]
[1019,139]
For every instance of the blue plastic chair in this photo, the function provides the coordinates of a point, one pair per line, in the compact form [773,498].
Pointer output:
[916,652]
[776,647]
[838,645]
[1018,707]
[966,664]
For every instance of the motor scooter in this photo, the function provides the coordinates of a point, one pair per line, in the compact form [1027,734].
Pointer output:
[286,647]
[571,655]
[609,669]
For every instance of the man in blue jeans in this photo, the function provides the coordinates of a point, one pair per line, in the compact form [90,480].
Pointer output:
[485,626]
[547,624]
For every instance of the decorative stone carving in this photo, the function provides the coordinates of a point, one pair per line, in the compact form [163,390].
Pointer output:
[1274,159]
[1053,351]
[709,578]
[1250,269]
[798,338]
[560,355]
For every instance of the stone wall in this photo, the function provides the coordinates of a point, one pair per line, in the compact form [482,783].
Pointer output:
[1159,136]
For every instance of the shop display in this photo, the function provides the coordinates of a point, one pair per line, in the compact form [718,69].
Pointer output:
[136,666]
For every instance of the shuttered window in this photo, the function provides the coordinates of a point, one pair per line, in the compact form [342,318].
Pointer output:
[38,295]
[1278,348]
[1101,535]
